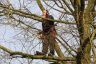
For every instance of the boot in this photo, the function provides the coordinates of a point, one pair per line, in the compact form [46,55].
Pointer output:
[39,53]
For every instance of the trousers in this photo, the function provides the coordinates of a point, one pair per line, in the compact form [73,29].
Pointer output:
[48,43]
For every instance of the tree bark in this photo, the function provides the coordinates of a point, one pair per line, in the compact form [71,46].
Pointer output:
[84,20]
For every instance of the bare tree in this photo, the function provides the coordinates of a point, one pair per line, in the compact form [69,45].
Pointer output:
[75,27]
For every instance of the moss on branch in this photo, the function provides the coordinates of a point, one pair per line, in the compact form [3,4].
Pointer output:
[30,56]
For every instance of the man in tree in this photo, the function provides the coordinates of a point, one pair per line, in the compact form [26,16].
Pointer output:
[48,34]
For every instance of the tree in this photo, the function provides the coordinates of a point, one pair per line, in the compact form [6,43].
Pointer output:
[75,28]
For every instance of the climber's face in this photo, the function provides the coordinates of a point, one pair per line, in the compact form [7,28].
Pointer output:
[45,13]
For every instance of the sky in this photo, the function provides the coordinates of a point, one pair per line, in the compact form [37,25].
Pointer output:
[10,37]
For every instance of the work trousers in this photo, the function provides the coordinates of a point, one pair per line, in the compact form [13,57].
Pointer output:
[48,43]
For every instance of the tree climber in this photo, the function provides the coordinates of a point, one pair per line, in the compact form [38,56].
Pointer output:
[48,34]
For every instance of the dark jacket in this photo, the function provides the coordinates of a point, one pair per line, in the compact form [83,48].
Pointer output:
[47,25]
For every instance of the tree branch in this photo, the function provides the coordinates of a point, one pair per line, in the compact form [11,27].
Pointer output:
[29,56]
[40,5]
[32,16]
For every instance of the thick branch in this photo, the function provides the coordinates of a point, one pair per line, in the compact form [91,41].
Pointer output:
[40,5]
[29,56]
[33,16]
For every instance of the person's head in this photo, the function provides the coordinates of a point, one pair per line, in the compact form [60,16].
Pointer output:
[45,13]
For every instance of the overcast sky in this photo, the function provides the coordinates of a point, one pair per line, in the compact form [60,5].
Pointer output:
[8,34]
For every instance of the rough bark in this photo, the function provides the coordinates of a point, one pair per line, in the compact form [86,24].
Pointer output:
[84,19]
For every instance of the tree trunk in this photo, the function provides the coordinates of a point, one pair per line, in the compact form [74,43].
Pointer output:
[84,19]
